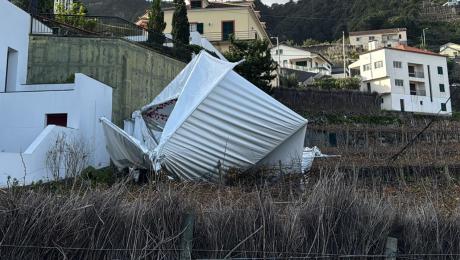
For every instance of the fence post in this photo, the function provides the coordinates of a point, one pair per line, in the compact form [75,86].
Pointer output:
[391,248]
[187,237]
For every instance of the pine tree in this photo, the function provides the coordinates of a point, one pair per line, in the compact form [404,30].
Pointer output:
[180,26]
[156,24]
[258,66]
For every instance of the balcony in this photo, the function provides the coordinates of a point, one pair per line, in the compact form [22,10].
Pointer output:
[321,69]
[417,74]
[416,71]
[239,35]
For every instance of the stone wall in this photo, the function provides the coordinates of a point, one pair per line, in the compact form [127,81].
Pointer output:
[313,101]
[137,74]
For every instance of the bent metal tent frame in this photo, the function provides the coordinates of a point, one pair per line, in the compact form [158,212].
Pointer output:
[207,118]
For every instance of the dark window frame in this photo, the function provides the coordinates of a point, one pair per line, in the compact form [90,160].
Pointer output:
[227,37]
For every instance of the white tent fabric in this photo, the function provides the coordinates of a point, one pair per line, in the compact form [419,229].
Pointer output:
[125,150]
[216,118]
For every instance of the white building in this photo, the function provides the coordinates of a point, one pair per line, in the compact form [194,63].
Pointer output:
[409,79]
[32,116]
[452,3]
[451,50]
[300,59]
[383,38]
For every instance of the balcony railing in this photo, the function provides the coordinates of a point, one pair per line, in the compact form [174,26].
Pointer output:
[417,74]
[238,35]
[108,27]
[321,70]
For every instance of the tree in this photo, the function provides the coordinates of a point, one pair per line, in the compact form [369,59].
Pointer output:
[75,16]
[258,66]
[180,26]
[156,23]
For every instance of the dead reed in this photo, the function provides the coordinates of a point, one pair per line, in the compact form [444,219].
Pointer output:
[330,216]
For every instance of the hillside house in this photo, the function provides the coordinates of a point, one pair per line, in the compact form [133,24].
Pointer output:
[383,38]
[218,21]
[408,79]
[452,3]
[32,116]
[451,50]
[297,58]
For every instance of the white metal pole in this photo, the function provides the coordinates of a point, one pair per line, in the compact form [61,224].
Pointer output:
[279,60]
[344,58]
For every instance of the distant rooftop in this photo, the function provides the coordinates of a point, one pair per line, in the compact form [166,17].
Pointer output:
[408,49]
[381,31]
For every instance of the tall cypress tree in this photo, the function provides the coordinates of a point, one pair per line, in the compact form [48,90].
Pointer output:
[180,26]
[156,24]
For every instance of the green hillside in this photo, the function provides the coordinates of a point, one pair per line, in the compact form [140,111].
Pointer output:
[324,20]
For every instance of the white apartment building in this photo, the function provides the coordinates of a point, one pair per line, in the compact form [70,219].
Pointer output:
[297,58]
[383,38]
[408,79]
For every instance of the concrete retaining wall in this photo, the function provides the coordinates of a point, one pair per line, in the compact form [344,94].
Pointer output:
[135,73]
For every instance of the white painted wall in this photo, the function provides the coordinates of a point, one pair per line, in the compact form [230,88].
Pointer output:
[23,121]
[383,80]
[14,29]
[29,166]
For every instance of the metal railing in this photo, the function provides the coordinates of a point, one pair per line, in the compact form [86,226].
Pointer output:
[417,74]
[238,35]
[107,27]
[320,69]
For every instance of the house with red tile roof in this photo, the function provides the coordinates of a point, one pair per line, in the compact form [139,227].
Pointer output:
[408,79]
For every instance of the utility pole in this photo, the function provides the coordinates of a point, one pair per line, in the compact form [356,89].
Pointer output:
[424,37]
[279,59]
[344,56]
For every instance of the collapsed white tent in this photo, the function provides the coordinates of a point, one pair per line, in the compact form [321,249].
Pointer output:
[210,117]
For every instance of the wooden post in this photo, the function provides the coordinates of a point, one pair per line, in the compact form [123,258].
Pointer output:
[391,248]
[187,237]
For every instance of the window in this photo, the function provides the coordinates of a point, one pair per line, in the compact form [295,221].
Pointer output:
[378,64]
[57,119]
[371,38]
[399,82]
[442,88]
[401,104]
[228,28]
[196,27]
[397,64]
[413,89]
[440,71]
[195,4]
[358,39]
[366,67]
[369,89]
[443,107]
[421,103]
[280,51]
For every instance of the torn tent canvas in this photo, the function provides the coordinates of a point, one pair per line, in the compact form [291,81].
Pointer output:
[210,117]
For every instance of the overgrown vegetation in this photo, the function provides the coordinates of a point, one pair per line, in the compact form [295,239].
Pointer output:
[258,65]
[319,20]
[75,16]
[333,83]
[329,216]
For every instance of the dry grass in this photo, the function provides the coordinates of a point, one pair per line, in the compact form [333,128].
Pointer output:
[332,215]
